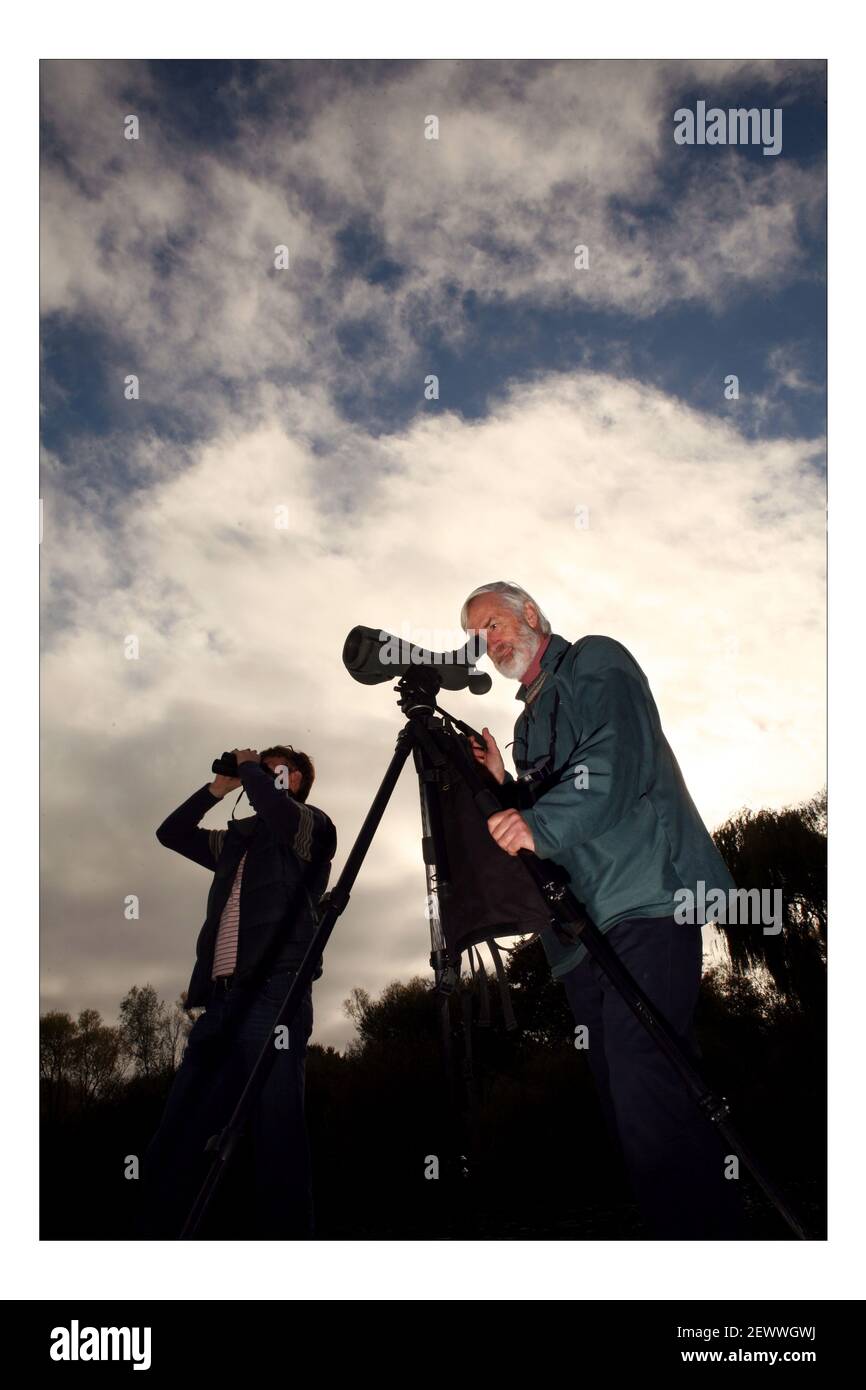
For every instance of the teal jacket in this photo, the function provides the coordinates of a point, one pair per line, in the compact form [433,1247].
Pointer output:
[605,797]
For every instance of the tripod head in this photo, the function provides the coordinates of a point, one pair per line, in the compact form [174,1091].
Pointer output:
[417,690]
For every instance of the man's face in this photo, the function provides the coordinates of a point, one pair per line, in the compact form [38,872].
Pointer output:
[288,779]
[512,638]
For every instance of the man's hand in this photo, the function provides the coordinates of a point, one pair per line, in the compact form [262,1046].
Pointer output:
[220,786]
[510,831]
[489,756]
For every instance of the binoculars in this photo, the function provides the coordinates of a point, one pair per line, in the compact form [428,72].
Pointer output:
[227,766]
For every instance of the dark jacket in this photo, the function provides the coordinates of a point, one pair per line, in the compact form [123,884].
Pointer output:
[610,804]
[289,848]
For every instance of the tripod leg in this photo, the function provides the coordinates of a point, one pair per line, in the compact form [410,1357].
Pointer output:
[446,972]
[455,1171]
[429,764]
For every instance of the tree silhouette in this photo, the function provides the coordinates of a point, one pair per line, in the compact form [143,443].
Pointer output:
[152,1035]
[540,1002]
[785,850]
[405,1011]
[80,1062]
[56,1034]
[56,1031]
[96,1057]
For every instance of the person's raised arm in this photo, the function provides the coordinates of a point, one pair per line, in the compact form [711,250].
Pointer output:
[305,829]
[180,831]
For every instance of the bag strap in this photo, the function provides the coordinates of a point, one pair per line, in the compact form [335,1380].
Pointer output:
[504,991]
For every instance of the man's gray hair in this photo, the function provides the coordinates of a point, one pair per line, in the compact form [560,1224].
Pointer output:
[512,595]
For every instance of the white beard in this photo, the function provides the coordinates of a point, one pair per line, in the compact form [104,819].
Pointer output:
[521,656]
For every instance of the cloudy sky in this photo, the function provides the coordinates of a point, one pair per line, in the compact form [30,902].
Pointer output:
[582,443]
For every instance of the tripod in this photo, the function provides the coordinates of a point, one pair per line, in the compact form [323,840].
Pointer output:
[429,735]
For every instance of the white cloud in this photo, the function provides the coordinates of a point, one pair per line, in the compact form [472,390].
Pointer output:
[531,161]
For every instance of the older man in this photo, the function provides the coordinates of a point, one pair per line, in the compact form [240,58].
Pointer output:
[599,791]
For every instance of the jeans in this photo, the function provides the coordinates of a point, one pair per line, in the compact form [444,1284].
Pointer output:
[673,1155]
[220,1054]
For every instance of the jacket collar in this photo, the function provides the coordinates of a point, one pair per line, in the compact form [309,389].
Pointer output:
[556,649]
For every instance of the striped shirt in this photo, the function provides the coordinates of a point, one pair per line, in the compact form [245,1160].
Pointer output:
[225,954]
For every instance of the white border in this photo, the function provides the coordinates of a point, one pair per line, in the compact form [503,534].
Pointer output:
[412,1270]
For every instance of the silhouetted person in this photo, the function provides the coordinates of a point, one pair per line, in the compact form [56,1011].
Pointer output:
[269,871]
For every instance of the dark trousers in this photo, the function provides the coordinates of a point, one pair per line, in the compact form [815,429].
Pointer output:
[673,1155]
[276,1202]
